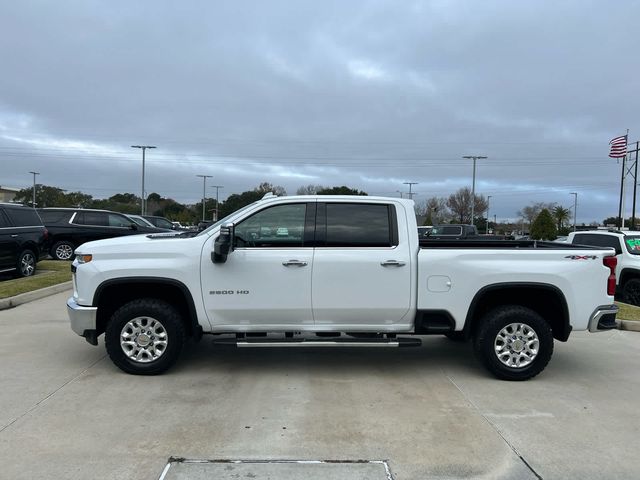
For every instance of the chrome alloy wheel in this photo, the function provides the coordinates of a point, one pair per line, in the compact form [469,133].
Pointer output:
[64,251]
[27,264]
[516,345]
[143,339]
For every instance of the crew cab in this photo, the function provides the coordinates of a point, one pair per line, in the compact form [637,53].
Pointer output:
[336,271]
[626,245]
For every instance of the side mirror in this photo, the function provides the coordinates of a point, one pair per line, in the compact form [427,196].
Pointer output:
[223,245]
[134,226]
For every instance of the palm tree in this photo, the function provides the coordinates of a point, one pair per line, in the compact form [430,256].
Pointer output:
[561,215]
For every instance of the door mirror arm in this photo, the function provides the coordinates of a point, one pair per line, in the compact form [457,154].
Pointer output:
[223,245]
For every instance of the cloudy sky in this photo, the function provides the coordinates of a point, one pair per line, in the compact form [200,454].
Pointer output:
[369,94]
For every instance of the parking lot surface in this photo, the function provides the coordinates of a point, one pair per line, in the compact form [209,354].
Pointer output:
[430,412]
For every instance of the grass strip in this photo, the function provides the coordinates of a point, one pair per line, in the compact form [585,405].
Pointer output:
[628,312]
[48,272]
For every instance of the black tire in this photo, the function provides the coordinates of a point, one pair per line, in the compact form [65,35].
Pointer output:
[62,250]
[497,322]
[631,292]
[456,336]
[141,311]
[26,264]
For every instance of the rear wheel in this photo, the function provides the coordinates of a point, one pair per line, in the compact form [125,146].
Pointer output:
[145,336]
[62,250]
[514,342]
[26,264]
[631,292]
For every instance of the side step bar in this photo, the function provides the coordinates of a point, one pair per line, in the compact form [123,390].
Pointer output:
[334,342]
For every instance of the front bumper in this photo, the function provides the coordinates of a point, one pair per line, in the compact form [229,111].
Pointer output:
[603,318]
[83,320]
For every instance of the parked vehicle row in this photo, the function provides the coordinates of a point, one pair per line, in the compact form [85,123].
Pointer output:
[22,239]
[71,227]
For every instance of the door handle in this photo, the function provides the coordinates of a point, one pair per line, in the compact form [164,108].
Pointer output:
[393,263]
[14,235]
[294,263]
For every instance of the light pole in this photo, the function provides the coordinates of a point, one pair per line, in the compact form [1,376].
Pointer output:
[400,192]
[142,202]
[34,188]
[410,185]
[204,190]
[575,209]
[473,184]
[488,204]
[217,187]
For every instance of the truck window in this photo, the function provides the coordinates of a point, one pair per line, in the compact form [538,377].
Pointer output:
[92,218]
[633,244]
[359,225]
[595,240]
[24,217]
[278,226]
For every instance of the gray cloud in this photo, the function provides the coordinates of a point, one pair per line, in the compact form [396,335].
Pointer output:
[368,94]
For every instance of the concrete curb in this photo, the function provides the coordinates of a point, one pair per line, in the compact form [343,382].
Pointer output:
[35,295]
[630,325]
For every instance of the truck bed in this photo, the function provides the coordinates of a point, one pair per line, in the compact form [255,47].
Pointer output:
[431,243]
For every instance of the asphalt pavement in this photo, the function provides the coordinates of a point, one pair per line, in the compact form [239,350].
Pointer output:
[416,413]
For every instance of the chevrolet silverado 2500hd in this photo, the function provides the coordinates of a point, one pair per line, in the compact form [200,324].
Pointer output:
[336,271]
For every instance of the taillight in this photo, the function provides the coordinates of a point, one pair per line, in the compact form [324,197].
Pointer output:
[46,233]
[611,262]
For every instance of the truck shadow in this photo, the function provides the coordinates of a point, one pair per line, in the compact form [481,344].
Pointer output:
[435,354]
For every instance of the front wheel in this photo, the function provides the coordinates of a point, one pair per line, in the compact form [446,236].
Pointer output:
[514,342]
[145,336]
[62,250]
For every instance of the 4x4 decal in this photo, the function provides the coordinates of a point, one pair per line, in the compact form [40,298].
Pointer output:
[581,257]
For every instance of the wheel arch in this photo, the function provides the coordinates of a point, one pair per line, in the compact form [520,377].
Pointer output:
[32,247]
[627,274]
[545,299]
[112,294]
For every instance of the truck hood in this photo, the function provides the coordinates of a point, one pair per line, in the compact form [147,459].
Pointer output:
[135,243]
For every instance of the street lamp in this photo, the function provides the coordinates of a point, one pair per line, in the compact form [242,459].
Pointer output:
[488,204]
[575,209]
[142,202]
[410,185]
[34,188]
[217,187]
[473,184]
[204,190]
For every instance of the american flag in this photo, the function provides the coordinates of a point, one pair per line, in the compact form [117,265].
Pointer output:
[618,147]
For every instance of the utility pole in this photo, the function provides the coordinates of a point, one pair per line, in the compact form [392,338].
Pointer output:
[217,187]
[473,184]
[488,199]
[410,185]
[575,209]
[34,188]
[142,197]
[204,190]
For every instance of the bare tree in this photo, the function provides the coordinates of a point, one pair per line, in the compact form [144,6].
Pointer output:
[434,210]
[530,212]
[460,205]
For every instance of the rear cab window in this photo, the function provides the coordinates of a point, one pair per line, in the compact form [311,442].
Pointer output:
[24,217]
[359,225]
[596,240]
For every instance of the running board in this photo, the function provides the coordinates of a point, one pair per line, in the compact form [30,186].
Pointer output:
[335,342]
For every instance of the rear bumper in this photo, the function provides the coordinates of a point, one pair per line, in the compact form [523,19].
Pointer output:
[83,320]
[603,318]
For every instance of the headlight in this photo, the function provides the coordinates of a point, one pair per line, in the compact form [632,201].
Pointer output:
[84,258]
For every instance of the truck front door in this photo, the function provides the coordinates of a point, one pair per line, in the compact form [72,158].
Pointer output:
[266,280]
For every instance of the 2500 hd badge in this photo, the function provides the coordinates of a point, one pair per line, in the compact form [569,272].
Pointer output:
[228,292]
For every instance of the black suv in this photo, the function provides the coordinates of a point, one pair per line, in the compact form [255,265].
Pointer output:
[71,227]
[22,239]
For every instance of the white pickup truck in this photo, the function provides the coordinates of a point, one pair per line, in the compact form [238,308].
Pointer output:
[339,271]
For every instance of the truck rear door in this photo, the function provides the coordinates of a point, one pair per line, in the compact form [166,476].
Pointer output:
[362,266]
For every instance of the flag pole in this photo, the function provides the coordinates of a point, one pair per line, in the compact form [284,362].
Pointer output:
[621,204]
[635,184]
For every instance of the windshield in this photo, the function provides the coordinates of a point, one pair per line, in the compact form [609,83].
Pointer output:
[226,219]
[633,244]
[139,221]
